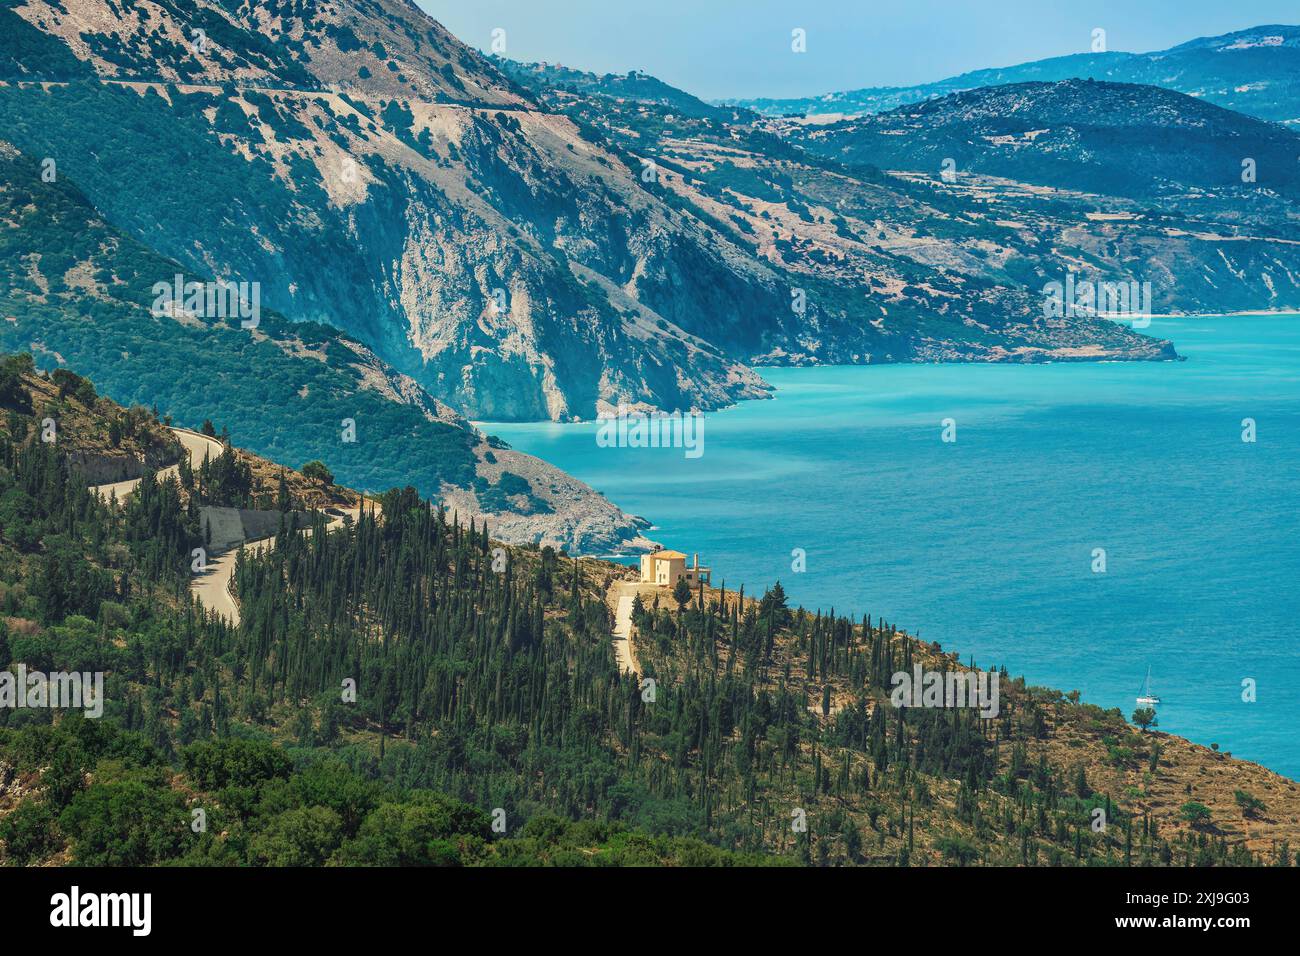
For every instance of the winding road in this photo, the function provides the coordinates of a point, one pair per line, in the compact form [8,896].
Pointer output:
[212,585]
[195,444]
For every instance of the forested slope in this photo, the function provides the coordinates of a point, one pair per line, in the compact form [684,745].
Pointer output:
[184,766]
[397,686]
[78,295]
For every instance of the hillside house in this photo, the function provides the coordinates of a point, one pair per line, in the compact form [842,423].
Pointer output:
[666,568]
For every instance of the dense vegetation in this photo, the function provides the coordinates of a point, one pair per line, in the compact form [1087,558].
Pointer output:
[397,686]
[306,372]
[85,586]
[242,801]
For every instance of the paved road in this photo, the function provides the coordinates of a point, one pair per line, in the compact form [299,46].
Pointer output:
[197,445]
[620,595]
[351,92]
[212,587]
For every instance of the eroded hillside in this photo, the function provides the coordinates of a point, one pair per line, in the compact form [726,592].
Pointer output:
[516,259]
[78,296]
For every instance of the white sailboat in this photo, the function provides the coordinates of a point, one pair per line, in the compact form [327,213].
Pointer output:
[1146,698]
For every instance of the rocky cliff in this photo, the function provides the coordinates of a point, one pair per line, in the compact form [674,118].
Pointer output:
[76,294]
[516,260]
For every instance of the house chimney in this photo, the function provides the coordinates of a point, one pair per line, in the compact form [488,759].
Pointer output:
[697,560]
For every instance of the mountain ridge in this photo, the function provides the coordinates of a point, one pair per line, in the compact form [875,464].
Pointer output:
[1257,77]
[946,231]
[1010,130]
[517,264]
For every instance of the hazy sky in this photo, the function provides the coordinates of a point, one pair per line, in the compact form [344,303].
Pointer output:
[734,48]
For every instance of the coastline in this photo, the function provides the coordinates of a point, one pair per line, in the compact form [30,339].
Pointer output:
[771,476]
[611,526]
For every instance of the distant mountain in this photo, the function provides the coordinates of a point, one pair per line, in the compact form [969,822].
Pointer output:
[79,296]
[935,273]
[1145,185]
[1110,138]
[635,87]
[510,265]
[1254,71]
[518,262]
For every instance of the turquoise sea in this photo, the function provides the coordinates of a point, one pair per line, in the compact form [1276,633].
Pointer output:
[986,544]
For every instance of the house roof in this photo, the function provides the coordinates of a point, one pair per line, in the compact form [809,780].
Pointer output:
[669,554]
